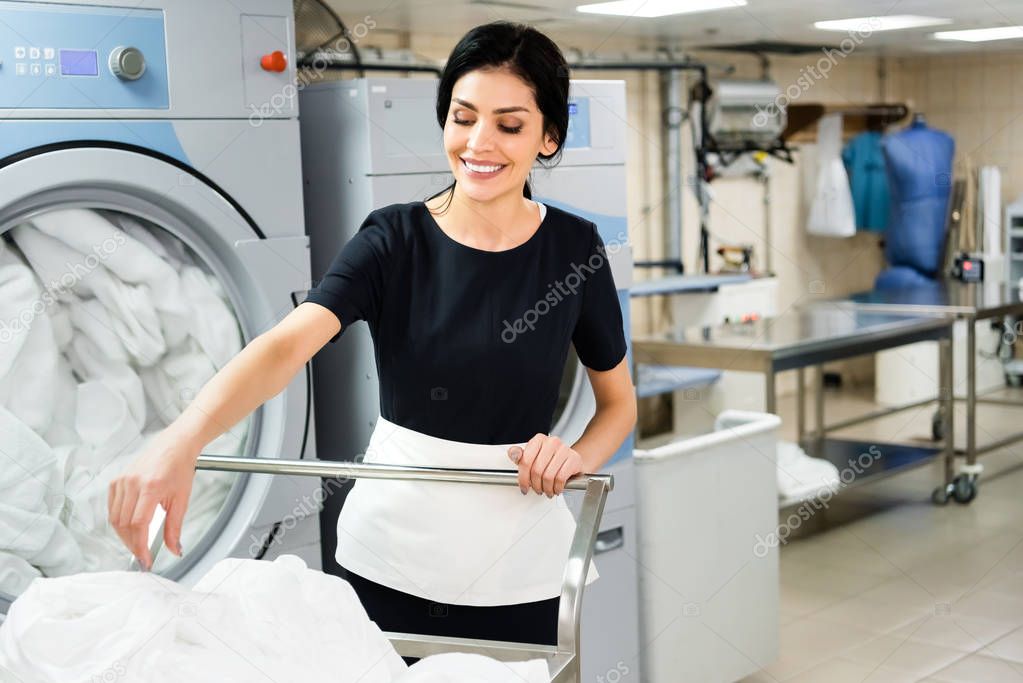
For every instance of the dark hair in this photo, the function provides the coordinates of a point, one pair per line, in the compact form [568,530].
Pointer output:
[528,54]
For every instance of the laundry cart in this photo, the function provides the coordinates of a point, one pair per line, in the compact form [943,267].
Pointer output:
[564,659]
[707,509]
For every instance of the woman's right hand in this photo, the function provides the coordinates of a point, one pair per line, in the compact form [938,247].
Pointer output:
[162,474]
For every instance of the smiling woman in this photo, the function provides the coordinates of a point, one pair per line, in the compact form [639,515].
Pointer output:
[465,392]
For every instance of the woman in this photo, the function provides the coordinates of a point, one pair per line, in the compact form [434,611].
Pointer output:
[453,289]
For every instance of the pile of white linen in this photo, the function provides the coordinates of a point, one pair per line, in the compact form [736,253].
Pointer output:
[245,620]
[108,328]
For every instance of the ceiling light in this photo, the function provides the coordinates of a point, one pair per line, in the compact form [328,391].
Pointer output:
[893,22]
[979,35]
[658,8]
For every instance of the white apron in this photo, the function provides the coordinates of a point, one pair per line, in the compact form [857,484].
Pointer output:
[452,542]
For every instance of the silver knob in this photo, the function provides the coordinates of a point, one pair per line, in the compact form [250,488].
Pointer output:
[127,63]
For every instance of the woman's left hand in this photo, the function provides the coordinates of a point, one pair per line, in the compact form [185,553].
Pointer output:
[545,464]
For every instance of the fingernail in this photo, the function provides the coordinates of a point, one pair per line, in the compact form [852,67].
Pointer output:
[522,491]
[180,551]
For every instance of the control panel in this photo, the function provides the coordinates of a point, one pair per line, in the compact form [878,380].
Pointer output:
[578,135]
[81,57]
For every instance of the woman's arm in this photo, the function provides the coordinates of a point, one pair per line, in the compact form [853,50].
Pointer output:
[546,463]
[163,473]
[615,417]
[259,372]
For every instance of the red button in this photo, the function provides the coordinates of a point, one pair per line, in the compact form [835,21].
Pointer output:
[275,61]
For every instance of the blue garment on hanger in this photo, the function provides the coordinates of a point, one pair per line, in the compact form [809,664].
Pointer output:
[919,163]
[868,179]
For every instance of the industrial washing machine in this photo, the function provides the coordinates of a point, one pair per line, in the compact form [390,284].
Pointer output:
[172,128]
[371,142]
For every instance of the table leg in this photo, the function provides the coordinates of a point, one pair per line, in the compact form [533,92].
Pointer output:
[818,400]
[947,405]
[971,391]
[770,395]
[800,405]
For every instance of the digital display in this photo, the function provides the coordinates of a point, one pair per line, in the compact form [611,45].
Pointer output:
[572,108]
[79,63]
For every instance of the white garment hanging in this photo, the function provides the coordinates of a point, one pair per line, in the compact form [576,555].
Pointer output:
[832,213]
[454,543]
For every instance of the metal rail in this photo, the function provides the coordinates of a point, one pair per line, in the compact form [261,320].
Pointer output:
[564,659]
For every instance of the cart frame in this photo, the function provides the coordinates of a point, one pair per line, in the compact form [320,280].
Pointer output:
[563,659]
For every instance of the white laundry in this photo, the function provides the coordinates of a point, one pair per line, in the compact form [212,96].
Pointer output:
[119,349]
[464,668]
[91,361]
[28,352]
[174,382]
[62,269]
[62,430]
[125,257]
[31,500]
[212,324]
[801,477]
[15,573]
[244,620]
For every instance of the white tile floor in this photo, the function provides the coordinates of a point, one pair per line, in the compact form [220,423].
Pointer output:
[887,587]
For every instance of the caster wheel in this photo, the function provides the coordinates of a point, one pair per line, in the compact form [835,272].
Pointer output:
[937,427]
[940,496]
[964,489]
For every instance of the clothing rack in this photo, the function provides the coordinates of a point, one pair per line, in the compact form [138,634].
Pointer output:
[803,118]
[563,659]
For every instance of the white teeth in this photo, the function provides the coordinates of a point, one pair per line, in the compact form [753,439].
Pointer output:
[481,169]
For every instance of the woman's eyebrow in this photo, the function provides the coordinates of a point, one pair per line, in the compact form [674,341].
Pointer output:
[501,110]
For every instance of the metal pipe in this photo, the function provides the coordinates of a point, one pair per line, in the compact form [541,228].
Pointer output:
[674,115]
[330,469]
[880,412]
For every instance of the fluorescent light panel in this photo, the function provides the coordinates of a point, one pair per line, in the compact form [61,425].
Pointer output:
[980,35]
[895,22]
[658,8]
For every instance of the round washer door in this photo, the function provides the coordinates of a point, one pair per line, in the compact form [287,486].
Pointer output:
[259,279]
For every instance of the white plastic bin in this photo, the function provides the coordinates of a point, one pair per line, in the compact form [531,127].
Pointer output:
[708,584]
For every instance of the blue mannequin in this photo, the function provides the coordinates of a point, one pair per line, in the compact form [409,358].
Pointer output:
[919,165]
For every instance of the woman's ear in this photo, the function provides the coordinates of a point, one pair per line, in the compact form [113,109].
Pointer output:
[549,146]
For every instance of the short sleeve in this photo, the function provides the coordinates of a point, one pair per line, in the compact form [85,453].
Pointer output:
[353,286]
[599,335]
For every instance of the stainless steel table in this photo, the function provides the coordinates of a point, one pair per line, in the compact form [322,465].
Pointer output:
[957,301]
[810,337]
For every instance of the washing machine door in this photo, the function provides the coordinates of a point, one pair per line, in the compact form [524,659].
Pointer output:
[259,279]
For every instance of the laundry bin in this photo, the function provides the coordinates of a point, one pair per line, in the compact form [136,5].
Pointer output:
[707,507]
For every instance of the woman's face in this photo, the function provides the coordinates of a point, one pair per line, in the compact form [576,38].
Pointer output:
[493,134]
